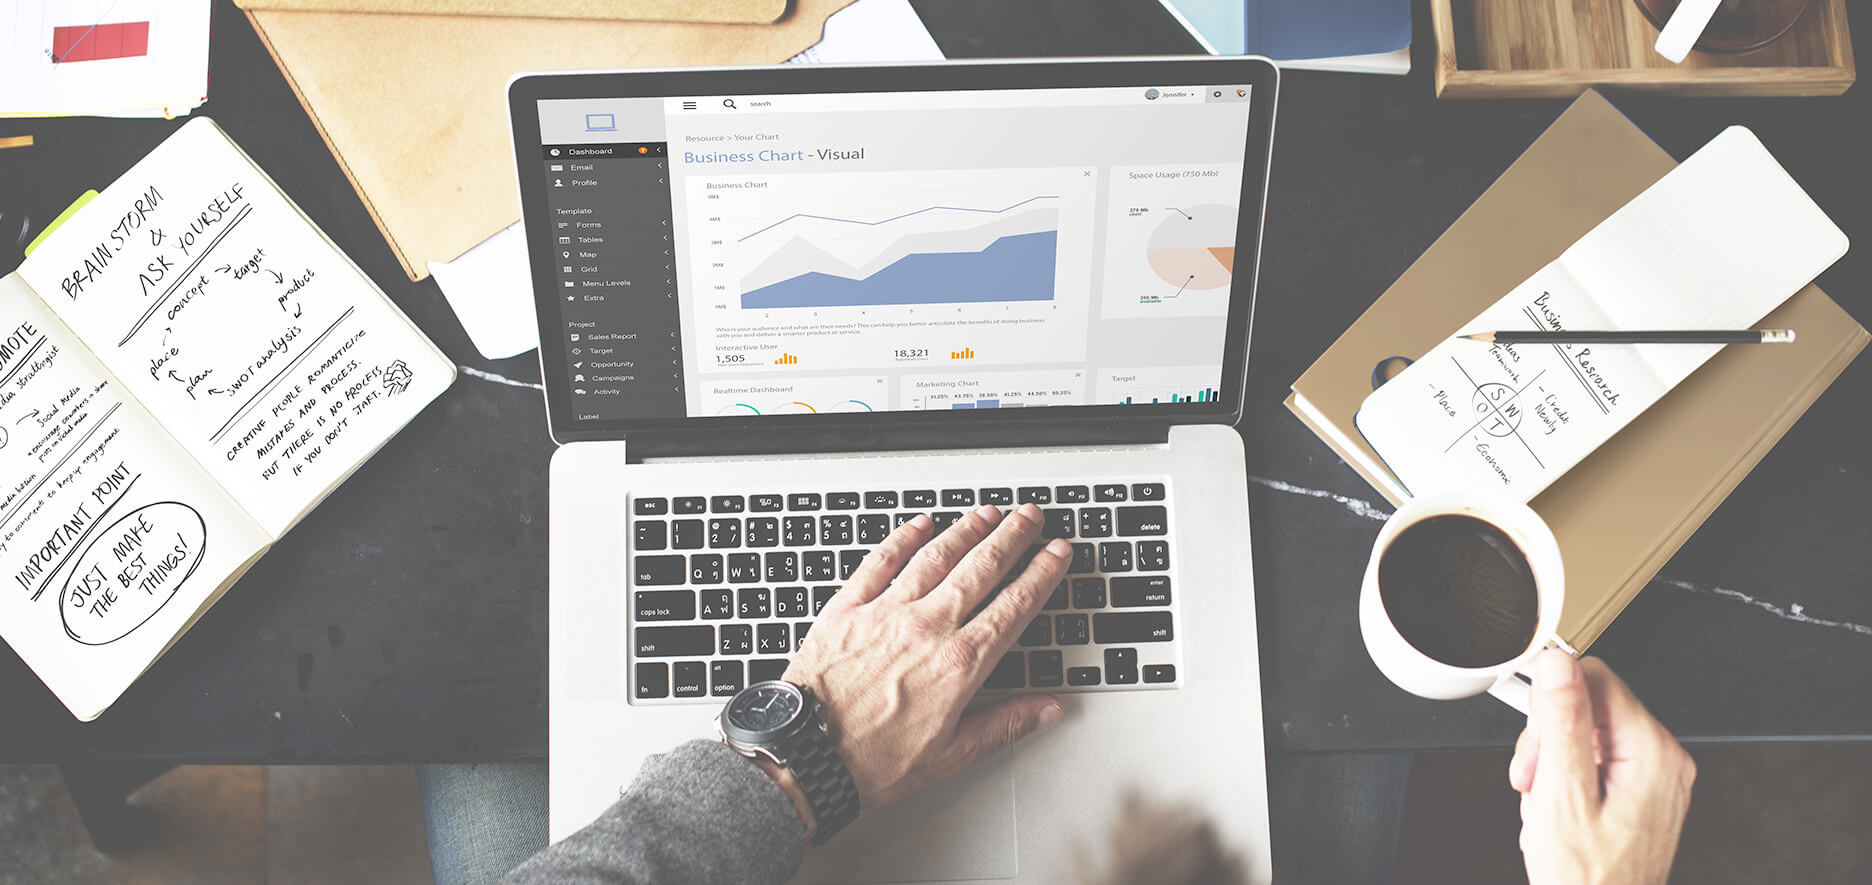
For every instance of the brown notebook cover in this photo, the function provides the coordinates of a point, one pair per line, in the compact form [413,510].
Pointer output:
[738,11]
[414,107]
[1621,513]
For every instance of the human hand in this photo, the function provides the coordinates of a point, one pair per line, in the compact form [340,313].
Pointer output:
[1604,787]
[900,650]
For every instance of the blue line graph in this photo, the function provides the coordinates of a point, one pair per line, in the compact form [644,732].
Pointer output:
[896,217]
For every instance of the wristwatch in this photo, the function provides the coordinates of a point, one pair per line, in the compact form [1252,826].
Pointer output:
[780,722]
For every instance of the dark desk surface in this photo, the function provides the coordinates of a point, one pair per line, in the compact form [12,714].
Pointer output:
[405,619]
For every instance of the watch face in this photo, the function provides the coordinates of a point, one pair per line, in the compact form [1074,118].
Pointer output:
[764,707]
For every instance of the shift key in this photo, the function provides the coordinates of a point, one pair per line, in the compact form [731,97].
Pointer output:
[669,642]
[1126,627]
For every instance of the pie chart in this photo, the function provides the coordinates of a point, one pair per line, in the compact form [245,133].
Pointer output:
[1193,247]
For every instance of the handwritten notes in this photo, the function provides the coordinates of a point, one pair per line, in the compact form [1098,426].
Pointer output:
[1717,243]
[262,349]
[109,544]
[187,366]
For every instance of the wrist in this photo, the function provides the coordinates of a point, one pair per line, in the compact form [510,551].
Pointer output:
[783,778]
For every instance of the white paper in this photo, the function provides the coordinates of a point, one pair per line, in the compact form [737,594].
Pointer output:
[111,537]
[1395,62]
[168,77]
[491,291]
[261,348]
[1715,244]
[872,31]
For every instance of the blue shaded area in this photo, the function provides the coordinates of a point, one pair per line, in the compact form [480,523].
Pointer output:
[1296,29]
[1012,268]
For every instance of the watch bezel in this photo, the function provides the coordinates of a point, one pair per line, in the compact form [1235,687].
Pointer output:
[766,741]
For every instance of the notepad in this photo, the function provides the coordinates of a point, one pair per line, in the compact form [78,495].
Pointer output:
[1716,243]
[187,366]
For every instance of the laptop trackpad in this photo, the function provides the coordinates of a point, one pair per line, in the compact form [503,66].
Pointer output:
[962,828]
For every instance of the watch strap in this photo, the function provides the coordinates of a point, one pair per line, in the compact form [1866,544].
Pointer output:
[823,778]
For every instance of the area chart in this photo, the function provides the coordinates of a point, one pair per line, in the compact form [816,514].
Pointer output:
[1017,267]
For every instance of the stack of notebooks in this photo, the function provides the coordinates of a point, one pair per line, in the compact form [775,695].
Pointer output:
[1621,512]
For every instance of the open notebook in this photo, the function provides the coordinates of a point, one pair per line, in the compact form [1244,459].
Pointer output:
[1717,243]
[187,366]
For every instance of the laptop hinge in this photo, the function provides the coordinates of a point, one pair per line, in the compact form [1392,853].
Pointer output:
[777,441]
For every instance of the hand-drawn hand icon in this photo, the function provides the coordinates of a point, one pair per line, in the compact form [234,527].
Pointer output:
[397,377]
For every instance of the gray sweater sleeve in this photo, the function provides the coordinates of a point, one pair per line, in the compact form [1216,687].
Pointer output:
[699,813]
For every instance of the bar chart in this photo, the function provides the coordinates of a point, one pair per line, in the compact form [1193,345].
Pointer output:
[995,390]
[1205,395]
[1147,385]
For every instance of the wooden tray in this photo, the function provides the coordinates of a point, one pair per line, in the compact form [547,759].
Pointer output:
[1558,48]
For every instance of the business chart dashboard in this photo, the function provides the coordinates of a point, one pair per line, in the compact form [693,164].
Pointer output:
[754,255]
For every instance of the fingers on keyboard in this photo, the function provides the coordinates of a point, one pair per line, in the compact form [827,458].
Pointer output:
[724,588]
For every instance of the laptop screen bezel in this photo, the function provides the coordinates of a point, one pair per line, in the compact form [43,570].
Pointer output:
[527,90]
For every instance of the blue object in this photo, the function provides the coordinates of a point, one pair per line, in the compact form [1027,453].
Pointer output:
[1382,372]
[1296,29]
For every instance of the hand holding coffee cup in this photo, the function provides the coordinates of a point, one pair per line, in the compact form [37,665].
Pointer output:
[1462,592]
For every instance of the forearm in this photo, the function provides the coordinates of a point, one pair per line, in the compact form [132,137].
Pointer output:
[699,813]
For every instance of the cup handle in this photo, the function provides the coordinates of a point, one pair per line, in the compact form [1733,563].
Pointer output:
[1515,690]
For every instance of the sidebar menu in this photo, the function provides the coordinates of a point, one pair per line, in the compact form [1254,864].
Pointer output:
[616,270]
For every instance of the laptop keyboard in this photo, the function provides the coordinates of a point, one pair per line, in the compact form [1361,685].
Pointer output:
[724,588]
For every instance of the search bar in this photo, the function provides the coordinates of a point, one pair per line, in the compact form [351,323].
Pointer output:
[905,101]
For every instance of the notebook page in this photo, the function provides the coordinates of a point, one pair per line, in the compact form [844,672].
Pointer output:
[111,537]
[1684,256]
[1716,243]
[276,363]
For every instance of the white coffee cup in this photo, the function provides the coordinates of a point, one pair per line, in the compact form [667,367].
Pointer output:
[1422,675]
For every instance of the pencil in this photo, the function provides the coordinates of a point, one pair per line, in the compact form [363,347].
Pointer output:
[13,141]
[1678,336]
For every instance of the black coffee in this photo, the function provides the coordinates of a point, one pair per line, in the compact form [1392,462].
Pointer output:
[1460,591]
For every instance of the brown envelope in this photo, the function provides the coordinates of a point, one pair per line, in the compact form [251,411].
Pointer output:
[415,106]
[1621,513]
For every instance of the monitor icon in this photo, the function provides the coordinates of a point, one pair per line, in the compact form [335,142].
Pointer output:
[600,122]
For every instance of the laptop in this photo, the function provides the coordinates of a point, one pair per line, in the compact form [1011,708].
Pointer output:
[783,310]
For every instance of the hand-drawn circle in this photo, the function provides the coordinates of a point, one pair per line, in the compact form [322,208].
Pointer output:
[167,520]
[1490,397]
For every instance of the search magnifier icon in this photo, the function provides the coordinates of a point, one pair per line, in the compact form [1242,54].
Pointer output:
[729,103]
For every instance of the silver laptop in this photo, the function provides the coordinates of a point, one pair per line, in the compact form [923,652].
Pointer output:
[783,310]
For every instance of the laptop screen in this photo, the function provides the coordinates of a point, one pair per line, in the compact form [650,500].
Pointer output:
[746,255]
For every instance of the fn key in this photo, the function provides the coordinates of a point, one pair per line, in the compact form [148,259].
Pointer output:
[653,680]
